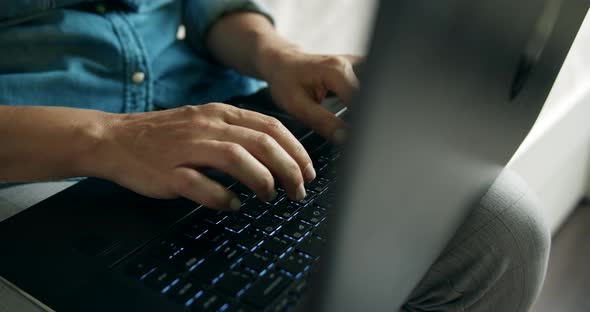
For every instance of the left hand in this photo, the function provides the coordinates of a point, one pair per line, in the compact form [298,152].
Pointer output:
[299,82]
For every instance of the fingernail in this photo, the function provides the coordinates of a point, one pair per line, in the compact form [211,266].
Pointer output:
[309,173]
[301,194]
[235,204]
[339,136]
[272,196]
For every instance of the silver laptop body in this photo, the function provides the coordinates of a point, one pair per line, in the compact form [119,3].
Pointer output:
[450,90]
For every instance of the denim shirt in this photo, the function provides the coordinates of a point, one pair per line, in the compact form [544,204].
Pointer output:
[120,56]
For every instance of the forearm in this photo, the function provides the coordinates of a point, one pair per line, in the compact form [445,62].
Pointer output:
[44,143]
[247,42]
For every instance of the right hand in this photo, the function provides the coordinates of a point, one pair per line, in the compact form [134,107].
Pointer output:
[159,154]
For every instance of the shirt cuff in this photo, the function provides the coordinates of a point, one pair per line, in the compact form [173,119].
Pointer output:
[200,15]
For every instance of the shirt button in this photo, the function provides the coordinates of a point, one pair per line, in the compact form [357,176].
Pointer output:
[181,32]
[138,77]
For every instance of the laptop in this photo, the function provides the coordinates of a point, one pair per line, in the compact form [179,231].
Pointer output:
[449,91]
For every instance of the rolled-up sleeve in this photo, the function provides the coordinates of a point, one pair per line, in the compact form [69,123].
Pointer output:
[200,15]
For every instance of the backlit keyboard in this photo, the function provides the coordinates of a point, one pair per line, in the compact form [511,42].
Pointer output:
[256,259]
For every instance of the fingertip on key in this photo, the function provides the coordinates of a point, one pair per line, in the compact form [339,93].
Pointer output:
[301,194]
[272,195]
[235,204]
[309,173]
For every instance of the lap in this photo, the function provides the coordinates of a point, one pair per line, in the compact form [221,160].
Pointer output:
[497,259]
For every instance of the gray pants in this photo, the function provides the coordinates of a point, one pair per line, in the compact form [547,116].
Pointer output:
[496,261]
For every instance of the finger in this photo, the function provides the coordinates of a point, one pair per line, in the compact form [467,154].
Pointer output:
[284,137]
[271,154]
[358,64]
[341,80]
[354,59]
[235,160]
[322,121]
[197,187]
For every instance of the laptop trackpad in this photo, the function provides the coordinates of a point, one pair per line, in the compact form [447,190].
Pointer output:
[95,219]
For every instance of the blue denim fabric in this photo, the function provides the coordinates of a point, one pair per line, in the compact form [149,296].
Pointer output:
[66,53]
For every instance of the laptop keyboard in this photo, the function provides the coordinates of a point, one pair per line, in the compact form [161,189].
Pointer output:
[256,259]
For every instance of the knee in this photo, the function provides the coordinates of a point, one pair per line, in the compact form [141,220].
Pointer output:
[496,261]
[521,234]
[517,211]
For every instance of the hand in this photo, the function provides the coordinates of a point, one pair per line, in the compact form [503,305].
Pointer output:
[299,82]
[159,154]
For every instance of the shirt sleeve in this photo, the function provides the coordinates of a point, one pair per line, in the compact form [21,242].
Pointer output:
[200,15]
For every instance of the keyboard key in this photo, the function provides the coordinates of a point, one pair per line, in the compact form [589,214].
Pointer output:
[243,199]
[280,196]
[213,216]
[282,305]
[209,270]
[322,230]
[299,288]
[311,246]
[328,172]
[326,199]
[228,253]
[183,291]
[296,229]
[195,230]
[249,238]
[268,223]
[244,194]
[333,155]
[258,261]
[319,163]
[208,301]
[266,289]
[160,278]
[294,263]
[215,264]
[255,209]
[236,308]
[285,210]
[140,267]
[206,243]
[164,249]
[318,185]
[312,214]
[186,260]
[276,245]
[214,237]
[235,223]
[308,199]
[233,281]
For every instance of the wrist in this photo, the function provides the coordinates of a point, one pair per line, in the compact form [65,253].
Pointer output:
[271,54]
[92,158]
